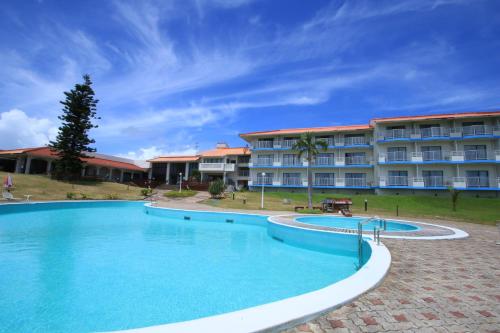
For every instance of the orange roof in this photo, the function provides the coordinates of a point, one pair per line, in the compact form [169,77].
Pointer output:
[192,158]
[438,116]
[309,129]
[96,161]
[226,151]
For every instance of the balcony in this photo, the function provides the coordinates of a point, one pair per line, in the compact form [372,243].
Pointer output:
[356,141]
[291,162]
[262,162]
[292,181]
[329,141]
[355,182]
[434,181]
[263,181]
[432,132]
[243,173]
[288,144]
[263,145]
[356,160]
[214,167]
[324,161]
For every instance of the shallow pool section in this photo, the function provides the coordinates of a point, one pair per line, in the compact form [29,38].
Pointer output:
[80,267]
[352,223]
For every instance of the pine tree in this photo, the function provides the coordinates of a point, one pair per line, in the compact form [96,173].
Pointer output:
[72,141]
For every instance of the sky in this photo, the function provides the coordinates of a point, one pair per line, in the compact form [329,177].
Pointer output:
[175,77]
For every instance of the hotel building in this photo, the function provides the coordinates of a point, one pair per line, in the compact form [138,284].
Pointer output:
[421,154]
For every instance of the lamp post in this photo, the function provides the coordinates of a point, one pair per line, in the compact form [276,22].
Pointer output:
[180,181]
[262,195]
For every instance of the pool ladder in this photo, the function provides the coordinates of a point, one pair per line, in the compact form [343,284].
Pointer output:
[376,235]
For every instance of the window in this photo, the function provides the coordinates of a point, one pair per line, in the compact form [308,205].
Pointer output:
[431,153]
[213,160]
[355,158]
[289,142]
[398,178]
[292,178]
[396,154]
[430,130]
[477,178]
[433,178]
[355,179]
[291,159]
[474,128]
[324,179]
[396,132]
[267,179]
[354,139]
[265,160]
[324,159]
[264,143]
[475,152]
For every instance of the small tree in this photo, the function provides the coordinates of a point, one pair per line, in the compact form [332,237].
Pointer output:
[306,145]
[216,188]
[454,197]
[72,141]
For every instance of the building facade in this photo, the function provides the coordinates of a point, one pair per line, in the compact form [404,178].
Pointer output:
[425,154]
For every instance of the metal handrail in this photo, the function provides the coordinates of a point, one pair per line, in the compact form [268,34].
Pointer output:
[376,235]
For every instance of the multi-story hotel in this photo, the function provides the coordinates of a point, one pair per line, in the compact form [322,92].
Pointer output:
[401,154]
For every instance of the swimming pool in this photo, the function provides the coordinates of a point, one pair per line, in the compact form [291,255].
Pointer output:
[103,266]
[352,223]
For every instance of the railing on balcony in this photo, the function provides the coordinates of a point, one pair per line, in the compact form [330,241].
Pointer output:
[324,160]
[267,180]
[475,155]
[477,130]
[216,167]
[243,173]
[292,181]
[329,141]
[291,161]
[263,144]
[356,141]
[264,162]
[324,181]
[432,155]
[432,132]
[397,156]
[288,143]
[434,181]
[477,182]
[396,134]
[397,181]
[356,182]
[356,160]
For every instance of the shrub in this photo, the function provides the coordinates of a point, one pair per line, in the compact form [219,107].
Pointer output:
[216,188]
[146,192]
[70,195]
[177,194]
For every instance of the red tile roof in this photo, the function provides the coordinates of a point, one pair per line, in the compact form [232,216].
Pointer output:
[437,116]
[308,129]
[96,161]
[192,158]
[219,152]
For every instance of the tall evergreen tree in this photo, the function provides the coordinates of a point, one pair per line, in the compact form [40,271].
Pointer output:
[72,141]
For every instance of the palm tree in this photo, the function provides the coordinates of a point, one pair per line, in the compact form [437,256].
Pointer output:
[306,145]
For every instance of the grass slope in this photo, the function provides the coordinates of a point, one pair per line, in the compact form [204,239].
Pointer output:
[476,210]
[43,188]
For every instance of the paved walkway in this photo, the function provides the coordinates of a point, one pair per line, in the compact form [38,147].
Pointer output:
[432,286]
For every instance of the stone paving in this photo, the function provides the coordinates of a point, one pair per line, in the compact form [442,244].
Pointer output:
[432,286]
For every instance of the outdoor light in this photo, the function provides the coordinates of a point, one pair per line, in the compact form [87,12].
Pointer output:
[262,195]
[180,181]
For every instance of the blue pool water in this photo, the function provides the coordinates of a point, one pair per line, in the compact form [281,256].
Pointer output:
[352,223]
[79,267]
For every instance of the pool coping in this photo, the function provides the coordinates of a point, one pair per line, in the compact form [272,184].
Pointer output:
[291,311]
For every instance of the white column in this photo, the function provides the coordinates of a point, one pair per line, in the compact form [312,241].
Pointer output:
[121,176]
[28,165]
[110,175]
[224,177]
[167,175]
[83,171]
[18,165]
[150,172]
[186,171]
[49,165]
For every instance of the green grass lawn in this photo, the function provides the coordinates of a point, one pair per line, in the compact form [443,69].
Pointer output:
[476,210]
[43,188]
[177,194]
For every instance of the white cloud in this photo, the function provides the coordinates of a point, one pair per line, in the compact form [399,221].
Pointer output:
[143,154]
[18,130]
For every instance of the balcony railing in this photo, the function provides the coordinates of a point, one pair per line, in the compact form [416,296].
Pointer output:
[432,155]
[243,173]
[264,162]
[432,132]
[477,130]
[216,167]
[263,144]
[397,181]
[288,143]
[329,141]
[356,182]
[263,181]
[356,160]
[322,160]
[397,156]
[291,162]
[356,141]
[396,134]
[292,181]
[475,155]
[324,181]
[477,182]
[434,181]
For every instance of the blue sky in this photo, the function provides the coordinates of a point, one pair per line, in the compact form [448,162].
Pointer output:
[175,75]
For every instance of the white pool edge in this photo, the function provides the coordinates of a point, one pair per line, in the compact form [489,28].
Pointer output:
[291,311]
